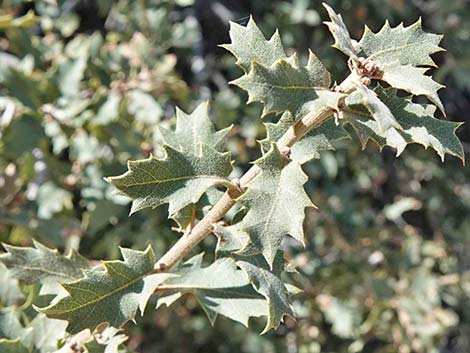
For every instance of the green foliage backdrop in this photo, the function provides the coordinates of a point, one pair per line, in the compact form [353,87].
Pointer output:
[85,86]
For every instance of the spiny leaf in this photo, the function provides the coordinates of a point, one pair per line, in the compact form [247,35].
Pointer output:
[220,288]
[41,264]
[399,52]
[407,45]
[340,33]
[194,129]
[413,80]
[310,145]
[268,222]
[249,44]
[417,121]
[286,86]
[264,279]
[270,286]
[110,294]
[380,112]
[178,179]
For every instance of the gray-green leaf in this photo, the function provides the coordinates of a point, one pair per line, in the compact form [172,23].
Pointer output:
[268,222]
[249,44]
[220,288]
[178,179]
[417,121]
[111,293]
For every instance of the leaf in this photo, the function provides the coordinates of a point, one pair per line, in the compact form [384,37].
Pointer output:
[52,199]
[399,52]
[417,121]
[47,333]
[413,80]
[12,346]
[111,293]
[249,44]
[144,107]
[270,286]
[42,265]
[10,292]
[286,86]
[230,239]
[12,331]
[407,45]
[310,145]
[340,33]
[188,215]
[70,73]
[109,341]
[268,222]
[194,129]
[178,179]
[220,288]
[380,112]
[109,110]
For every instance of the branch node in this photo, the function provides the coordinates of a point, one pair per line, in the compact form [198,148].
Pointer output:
[236,189]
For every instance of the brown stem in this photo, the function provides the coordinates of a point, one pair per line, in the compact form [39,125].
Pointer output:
[187,242]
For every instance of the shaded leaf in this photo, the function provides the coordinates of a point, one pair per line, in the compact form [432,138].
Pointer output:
[42,265]
[270,286]
[417,121]
[220,288]
[413,80]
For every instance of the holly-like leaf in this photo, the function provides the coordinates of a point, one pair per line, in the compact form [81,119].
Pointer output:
[287,86]
[268,222]
[310,145]
[180,178]
[111,293]
[269,286]
[407,45]
[249,44]
[413,80]
[340,33]
[194,129]
[399,53]
[42,265]
[220,288]
[379,111]
[417,121]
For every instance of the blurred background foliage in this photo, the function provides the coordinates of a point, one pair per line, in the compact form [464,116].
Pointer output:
[83,86]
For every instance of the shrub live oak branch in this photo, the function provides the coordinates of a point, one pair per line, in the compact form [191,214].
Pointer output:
[245,279]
